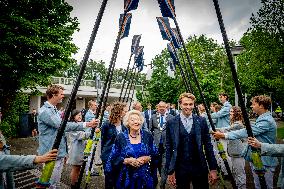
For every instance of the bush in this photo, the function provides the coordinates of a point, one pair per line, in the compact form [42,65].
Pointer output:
[10,122]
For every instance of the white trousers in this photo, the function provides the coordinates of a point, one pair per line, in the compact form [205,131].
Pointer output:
[238,169]
[218,157]
[268,177]
[56,174]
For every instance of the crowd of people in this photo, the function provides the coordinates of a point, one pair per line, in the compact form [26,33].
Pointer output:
[148,149]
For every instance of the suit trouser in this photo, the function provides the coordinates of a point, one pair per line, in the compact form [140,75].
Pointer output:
[184,180]
[164,174]
[110,178]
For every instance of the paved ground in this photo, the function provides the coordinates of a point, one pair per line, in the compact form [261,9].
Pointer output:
[29,145]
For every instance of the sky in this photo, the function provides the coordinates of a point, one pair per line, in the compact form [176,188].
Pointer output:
[195,17]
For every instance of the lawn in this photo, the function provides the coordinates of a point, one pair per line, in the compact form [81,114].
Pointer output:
[280,130]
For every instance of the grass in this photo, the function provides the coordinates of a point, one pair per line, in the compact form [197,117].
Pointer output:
[280,130]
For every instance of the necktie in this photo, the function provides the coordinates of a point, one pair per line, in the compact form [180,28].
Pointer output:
[187,126]
[162,121]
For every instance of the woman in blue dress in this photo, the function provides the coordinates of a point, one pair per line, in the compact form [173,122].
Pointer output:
[134,157]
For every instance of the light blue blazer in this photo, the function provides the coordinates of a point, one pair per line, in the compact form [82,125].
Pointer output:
[10,163]
[264,130]
[90,116]
[16,162]
[48,123]
[222,116]
[275,150]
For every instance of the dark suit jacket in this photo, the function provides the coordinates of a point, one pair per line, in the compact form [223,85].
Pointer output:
[154,128]
[33,121]
[147,116]
[108,136]
[203,141]
[172,112]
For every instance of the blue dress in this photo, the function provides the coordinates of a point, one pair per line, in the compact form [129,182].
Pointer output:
[129,177]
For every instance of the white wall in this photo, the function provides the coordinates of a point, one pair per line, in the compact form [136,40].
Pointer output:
[35,102]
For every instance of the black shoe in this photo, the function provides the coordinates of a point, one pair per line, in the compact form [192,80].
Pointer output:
[95,174]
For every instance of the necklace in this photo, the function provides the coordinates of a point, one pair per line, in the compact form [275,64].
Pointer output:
[133,136]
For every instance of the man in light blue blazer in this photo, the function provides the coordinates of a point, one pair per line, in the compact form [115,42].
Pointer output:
[222,119]
[276,150]
[19,162]
[10,163]
[264,130]
[49,121]
[91,115]
[223,115]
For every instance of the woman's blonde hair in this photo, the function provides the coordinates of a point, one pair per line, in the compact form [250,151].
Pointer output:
[130,113]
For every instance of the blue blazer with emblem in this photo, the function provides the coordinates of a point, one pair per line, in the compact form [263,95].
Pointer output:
[202,138]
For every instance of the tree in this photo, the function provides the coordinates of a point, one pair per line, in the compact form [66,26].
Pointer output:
[209,62]
[35,40]
[261,65]
[269,18]
[161,86]
[211,66]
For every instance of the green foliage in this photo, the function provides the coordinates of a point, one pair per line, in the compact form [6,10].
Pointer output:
[261,65]
[35,42]
[161,86]
[212,74]
[270,18]
[9,125]
[94,67]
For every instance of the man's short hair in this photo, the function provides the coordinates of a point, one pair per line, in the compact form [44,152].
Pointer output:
[214,104]
[263,100]
[225,95]
[186,95]
[134,106]
[162,102]
[53,90]
[90,103]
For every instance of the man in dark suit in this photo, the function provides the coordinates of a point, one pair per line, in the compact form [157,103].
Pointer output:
[157,126]
[170,110]
[148,114]
[34,125]
[189,148]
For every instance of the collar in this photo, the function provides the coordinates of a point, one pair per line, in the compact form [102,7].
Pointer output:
[50,105]
[225,103]
[165,115]
[184,117]
[264,114]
